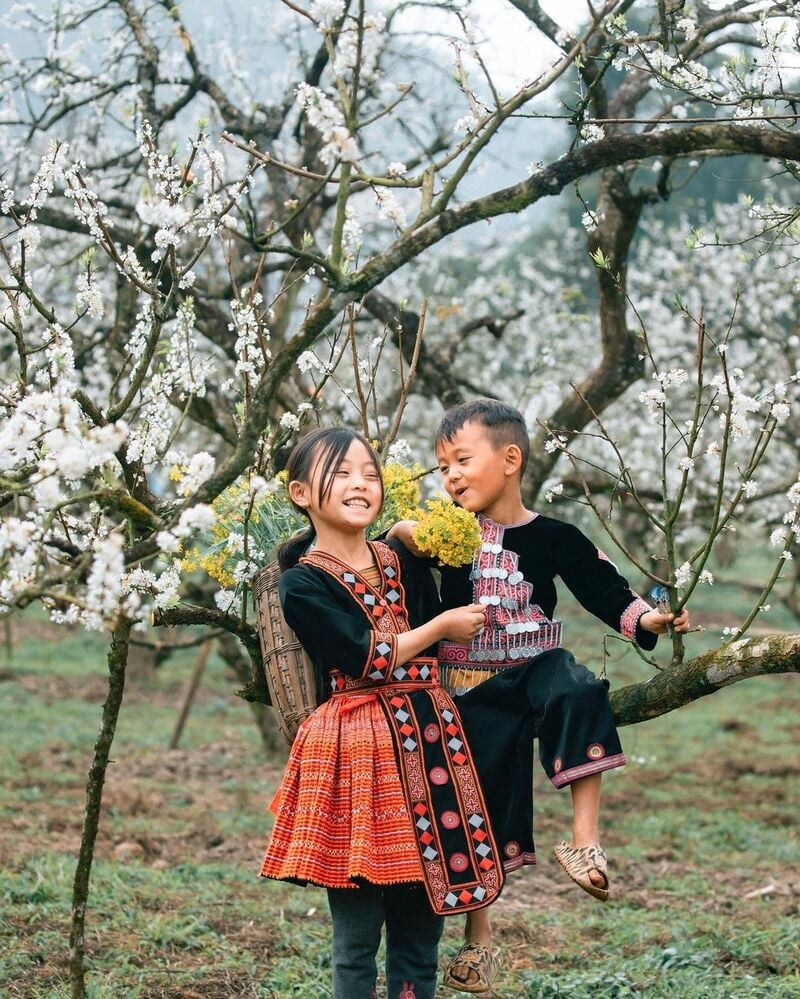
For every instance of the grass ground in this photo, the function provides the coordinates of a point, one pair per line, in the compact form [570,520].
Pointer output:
[701,827]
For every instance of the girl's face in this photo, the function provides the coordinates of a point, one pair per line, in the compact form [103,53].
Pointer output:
[353,499]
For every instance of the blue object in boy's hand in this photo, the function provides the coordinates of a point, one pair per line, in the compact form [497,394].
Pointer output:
[659,595]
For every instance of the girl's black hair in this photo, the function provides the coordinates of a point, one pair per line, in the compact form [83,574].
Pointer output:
[327,447]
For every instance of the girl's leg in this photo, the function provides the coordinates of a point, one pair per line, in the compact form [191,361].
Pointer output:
[357,915]
[412,943]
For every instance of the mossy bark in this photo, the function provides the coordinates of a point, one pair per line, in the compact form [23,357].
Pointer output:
[675,686]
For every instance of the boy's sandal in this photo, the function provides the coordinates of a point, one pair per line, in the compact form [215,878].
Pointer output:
[479,959]
[578,861]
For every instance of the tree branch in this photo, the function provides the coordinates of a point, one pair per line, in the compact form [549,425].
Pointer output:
[704,675]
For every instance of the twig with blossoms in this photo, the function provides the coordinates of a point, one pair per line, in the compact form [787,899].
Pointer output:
[735,453]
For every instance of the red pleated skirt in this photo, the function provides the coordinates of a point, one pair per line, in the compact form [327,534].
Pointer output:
[341,814]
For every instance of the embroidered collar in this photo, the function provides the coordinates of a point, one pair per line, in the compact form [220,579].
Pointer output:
[376,600]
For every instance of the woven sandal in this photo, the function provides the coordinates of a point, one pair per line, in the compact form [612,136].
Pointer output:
[578,861]
[477,958]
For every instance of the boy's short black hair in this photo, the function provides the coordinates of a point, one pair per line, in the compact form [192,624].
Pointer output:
[503,424]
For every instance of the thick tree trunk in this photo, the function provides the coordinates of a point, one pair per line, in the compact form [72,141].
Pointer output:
[117,660]
[706,674]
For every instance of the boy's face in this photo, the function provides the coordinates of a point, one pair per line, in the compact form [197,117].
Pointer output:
[475,474]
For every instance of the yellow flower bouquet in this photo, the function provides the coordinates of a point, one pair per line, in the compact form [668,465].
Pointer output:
[447,532]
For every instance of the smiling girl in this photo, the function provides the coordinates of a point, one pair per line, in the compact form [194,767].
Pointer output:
[380,803]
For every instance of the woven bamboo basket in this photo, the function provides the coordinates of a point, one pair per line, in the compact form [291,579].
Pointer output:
[291,677]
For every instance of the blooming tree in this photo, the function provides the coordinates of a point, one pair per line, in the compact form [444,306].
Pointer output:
[183,238]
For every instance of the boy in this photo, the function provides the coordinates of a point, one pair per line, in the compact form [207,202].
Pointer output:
[482,448]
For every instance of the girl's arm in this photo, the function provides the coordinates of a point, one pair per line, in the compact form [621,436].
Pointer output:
[461,624]
[336,634]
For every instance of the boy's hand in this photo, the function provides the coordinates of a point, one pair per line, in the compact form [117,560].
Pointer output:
[403,531]
[462,624]
[658,623]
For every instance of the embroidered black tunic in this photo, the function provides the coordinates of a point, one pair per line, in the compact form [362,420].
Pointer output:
[515,680]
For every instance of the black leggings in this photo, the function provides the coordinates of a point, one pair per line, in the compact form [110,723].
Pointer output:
[412,940]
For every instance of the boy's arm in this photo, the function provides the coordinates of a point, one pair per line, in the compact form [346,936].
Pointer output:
[596,583]
[403,531]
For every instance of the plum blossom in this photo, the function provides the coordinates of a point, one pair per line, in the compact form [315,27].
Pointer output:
[323,115]
[104,585]
[590,220]
[399,452]
[556,443]
[50,172]
[553,491]
[225,600]
[682,575]
[90,297]
[592,133]
[290,421]
[780,412]
[327,11]
[389,207]
[308,361]
[193,520]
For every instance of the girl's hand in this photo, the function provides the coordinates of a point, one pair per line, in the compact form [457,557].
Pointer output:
[659,624]
[403,531]
[462,624]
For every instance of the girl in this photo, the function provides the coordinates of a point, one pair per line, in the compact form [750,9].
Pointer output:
[379,803]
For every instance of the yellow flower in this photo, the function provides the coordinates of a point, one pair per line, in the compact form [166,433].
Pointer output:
[401,489]
[283,477]
[214,565]
[177,472]
[191,560]
[449,533]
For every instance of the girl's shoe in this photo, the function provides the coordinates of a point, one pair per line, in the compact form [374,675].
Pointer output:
[479,959]
[578,861]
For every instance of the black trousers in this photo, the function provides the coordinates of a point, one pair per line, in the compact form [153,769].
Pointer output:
[412,940]
[551,697]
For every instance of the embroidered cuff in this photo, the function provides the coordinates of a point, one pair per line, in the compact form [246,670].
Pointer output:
[630,617]
[565,777]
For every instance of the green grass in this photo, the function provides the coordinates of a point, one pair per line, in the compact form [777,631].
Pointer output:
[704,815]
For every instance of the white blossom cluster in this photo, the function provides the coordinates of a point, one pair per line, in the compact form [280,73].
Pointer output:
[746,85]
[365,49]
[252,337]
[194,519]
[189,369]
[323,115]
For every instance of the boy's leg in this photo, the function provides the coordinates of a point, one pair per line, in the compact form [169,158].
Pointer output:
[577,735]
[358,916]
[577,741]
[477,930]
[413,932]
[586,810]
[586,818]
